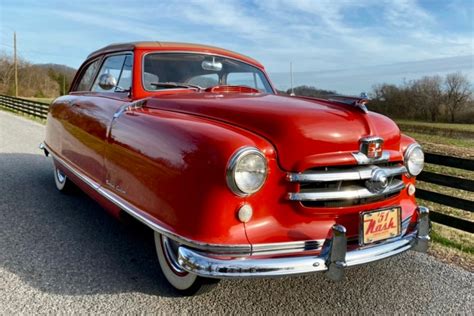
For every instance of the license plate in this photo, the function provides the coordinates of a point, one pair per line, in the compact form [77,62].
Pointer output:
[380,224]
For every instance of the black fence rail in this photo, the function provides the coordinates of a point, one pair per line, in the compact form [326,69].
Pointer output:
[451,182]
[33,108]
[40,110]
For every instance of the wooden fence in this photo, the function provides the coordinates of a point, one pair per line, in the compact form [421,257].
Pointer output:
[451,182]
[33,108]
[40,110]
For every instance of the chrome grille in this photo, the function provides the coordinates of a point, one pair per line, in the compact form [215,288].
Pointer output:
[333,187]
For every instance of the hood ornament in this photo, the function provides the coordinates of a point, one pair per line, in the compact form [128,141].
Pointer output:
[359,102]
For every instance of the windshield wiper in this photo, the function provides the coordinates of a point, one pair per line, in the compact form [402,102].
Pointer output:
[175,85]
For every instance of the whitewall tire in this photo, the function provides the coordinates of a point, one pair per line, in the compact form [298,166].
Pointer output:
[62,182]
[184,282]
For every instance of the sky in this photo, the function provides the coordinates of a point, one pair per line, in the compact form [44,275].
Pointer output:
[342,45]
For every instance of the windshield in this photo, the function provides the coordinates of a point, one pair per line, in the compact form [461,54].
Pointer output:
[162,70]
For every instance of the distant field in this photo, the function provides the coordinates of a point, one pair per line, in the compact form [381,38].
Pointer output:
[438,126]
[443,138]
[459,135]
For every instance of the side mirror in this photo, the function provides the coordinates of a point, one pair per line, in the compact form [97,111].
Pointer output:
[107,82]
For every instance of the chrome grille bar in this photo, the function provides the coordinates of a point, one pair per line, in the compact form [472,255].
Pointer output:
[349,193]
[358,173]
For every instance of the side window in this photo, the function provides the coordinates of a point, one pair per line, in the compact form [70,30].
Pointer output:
[119,66]
[125,80]
[249,79]
[205,81]
[87,77]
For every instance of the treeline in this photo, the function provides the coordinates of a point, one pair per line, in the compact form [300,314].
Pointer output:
[40,81]
[435,99]
[308,91]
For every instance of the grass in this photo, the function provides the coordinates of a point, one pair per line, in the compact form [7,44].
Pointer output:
[42,100]
[429,139]
[455,172]
[457,127]
[449,237]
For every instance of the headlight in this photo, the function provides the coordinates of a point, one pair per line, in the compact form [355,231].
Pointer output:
[414,159]
[247,171]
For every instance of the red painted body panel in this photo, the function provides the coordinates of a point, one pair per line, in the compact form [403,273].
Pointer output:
[169,156]
[301,130]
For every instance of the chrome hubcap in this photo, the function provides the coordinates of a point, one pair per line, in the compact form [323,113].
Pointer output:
[61,176]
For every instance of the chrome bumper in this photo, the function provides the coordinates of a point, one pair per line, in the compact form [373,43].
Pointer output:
[333,258]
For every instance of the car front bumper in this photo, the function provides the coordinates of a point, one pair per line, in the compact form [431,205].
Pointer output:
[333,259]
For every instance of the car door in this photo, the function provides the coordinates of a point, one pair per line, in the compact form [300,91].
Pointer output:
[92,114]
[64,116]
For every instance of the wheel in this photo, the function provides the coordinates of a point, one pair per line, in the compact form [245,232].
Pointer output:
[183,282]
[63,184]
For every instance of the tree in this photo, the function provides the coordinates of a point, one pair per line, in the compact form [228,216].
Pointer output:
[458,93]
[428,95]
[310,91]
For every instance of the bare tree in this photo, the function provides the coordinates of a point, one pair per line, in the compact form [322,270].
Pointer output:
[458,93]
[6,72]
[428,94]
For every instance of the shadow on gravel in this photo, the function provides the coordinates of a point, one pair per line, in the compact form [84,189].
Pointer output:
[68,244]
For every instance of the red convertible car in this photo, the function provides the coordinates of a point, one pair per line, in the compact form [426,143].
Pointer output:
[235,180]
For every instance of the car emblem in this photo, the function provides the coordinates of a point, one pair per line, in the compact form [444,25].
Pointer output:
[378,182]
[372,147]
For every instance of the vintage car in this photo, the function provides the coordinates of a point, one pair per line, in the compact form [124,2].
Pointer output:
[235,180]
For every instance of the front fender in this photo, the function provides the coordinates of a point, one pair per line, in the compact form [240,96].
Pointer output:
[173,167]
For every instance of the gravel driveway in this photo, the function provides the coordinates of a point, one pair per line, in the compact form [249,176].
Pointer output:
[63,254]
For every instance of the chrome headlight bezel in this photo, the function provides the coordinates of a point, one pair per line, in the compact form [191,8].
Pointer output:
[234,161]
[406,157]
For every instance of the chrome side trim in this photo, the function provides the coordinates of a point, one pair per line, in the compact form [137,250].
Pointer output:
[362,159]
[233,250]
[333,258]
[351,193]
[359,173]
[147,220]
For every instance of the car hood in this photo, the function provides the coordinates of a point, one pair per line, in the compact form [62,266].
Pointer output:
[304,132]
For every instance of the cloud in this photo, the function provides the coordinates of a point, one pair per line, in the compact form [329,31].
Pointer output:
[314,35]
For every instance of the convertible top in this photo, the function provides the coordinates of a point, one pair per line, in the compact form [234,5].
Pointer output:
[173,46]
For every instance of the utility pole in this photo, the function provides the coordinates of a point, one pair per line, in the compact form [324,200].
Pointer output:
[291,78]
[15,62]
